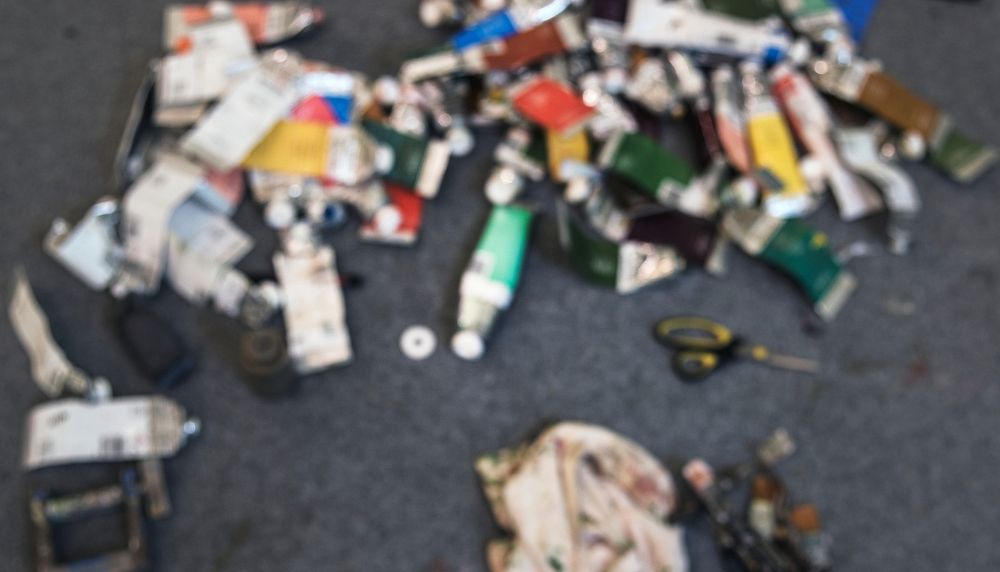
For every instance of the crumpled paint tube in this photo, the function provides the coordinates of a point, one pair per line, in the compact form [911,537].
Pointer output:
[581,498]
[614,261]
[801,252]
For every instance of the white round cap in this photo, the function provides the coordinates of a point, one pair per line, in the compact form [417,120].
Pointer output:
[468,345]
[912,145]
[418,342]
[280,213]
[578,189]
[814,172]
[800,52]
[503,186]
[386,90]
[460,140]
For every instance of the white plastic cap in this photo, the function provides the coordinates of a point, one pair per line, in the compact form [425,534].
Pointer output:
[912,146]
[800,52]
[280,213]
[432,13]
[460,140]
[814,173]
[468,345]
[503,186]
[386,90]
[578,189]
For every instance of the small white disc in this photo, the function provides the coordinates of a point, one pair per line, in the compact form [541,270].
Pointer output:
[418,342]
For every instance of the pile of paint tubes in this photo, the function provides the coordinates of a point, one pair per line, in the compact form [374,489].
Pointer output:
[585,89]
[781,103]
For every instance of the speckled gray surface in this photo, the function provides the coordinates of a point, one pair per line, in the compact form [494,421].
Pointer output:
[370,467]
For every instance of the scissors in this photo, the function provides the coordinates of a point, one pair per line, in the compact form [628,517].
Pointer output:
[704,345]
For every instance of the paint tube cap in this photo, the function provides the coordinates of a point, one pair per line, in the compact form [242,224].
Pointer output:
[504,185]
[912,146]
[468,345]
[578,189]
[460,140]
[418,342]
[280,213]
[814,171]
[800,52]
[386,90]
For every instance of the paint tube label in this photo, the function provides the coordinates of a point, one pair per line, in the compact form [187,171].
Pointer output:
[729,120]
[645,163]
[562,148]
[961,157]
[551,104]
[148,207]
[51,370]
[496,26]
[123,429]
[655,23]
[246,114]
[90,250]
[416,163]
[314,309]
[787,195]
[546,40]
[805,255]
[495,268]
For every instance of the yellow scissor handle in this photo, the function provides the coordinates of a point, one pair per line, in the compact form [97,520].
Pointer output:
[693,333]
[695,365]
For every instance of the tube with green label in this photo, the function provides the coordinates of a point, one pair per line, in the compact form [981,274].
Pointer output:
[800,251]
[491,278]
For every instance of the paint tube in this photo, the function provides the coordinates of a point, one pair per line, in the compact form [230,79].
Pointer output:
[490,280]
[673,25]
[521,15]
[798,250]
[860,149]
[609,259]
[551,104]
[122,429]
[552,38]
[775,160]
[644,162]
[267,22]
[730,120]
[812,121]
[862,82]
[412,162]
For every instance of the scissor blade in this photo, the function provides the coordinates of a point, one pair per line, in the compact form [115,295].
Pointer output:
[793,363]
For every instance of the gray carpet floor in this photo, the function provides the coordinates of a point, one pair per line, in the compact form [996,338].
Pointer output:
[370,467]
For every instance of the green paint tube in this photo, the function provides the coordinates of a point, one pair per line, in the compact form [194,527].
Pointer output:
[625,265]
[646,163]
[410,161]
[798,250]
[491,278]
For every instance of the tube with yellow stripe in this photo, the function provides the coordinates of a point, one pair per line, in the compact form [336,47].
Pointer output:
[775,161]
